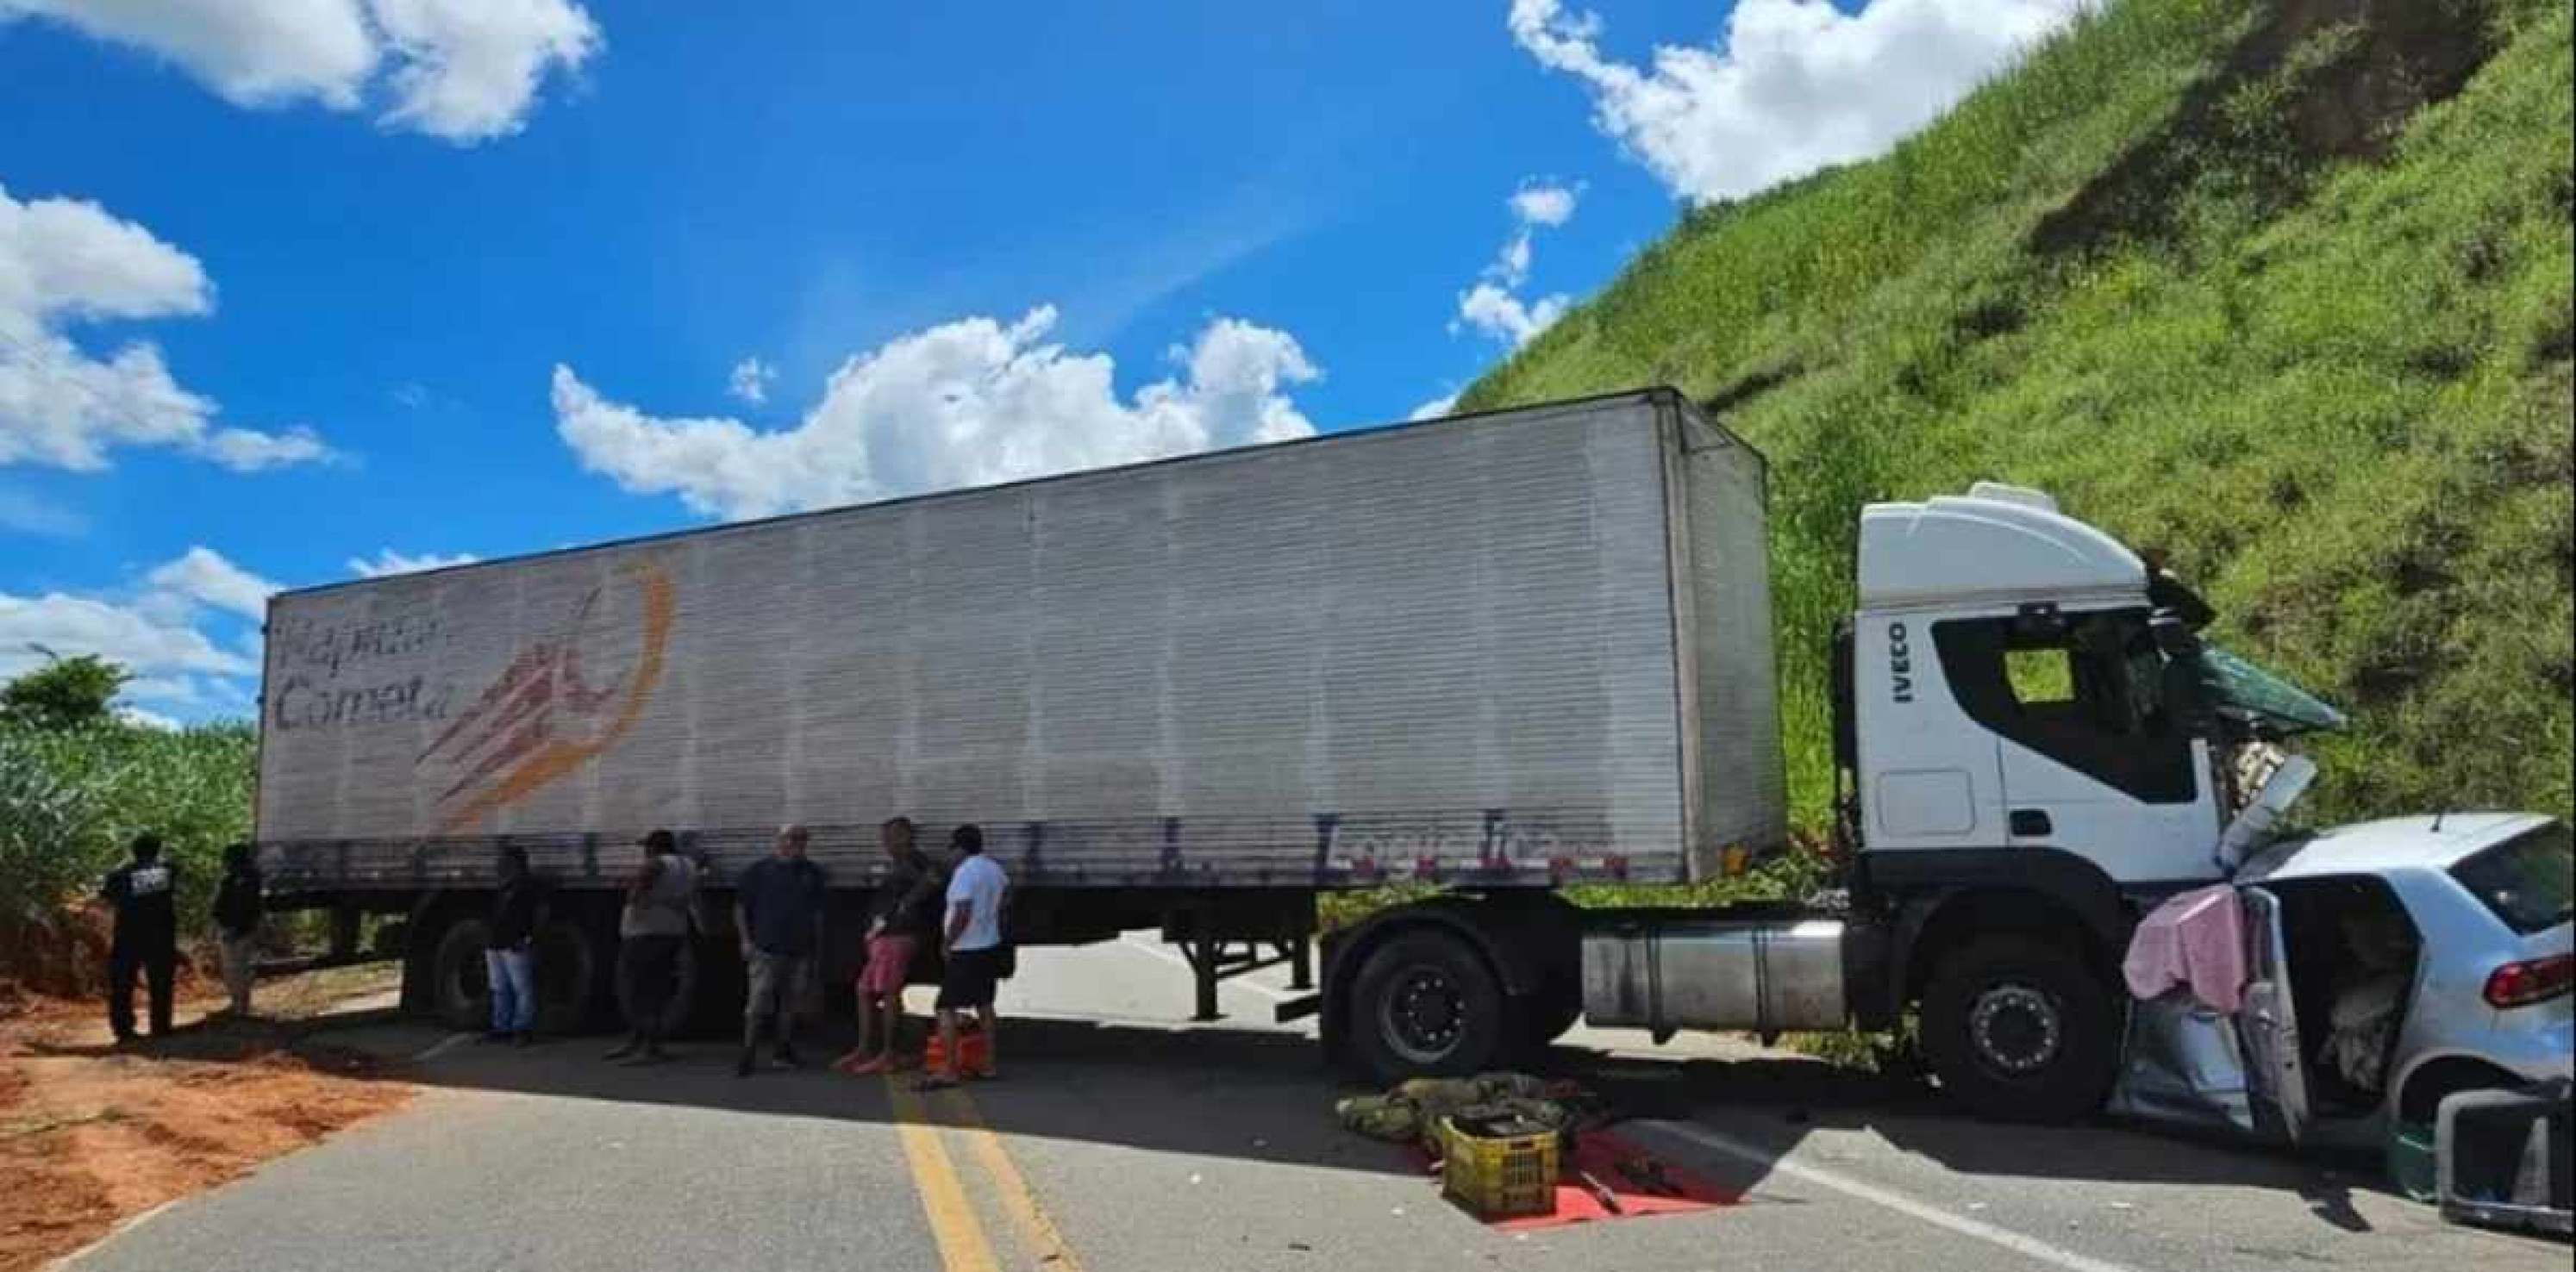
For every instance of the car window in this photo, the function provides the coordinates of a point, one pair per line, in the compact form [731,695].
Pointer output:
[2529,880]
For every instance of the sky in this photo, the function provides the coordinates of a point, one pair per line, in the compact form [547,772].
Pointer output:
[293,291]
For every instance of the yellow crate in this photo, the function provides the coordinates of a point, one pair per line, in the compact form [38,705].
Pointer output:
[1495,1177]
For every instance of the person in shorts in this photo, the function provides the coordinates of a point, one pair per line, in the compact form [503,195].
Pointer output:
[972,940]
[778,909]
[904,913]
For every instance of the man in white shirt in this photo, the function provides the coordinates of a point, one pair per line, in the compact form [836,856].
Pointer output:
[972,941]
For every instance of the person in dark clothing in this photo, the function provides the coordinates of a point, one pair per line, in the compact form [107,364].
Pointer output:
[238,910]
[510,954]
[661,898]
[146,939]
[778,909]
[904,913]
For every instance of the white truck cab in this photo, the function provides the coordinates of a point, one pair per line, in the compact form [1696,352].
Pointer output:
[2008,693]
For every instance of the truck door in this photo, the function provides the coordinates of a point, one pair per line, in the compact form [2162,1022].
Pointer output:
[2269,1020]
[2089,760]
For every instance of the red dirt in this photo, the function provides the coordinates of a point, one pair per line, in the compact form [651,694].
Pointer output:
[90,1134]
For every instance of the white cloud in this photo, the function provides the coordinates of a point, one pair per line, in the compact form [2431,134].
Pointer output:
[29,513]
[469,69]
[66,261]
[965,403]
[388,561]
[750,380]
[1491,305]
[1435,408]
[161,629]
[1503,316]
[1543,203]
[1794,86]
[463,70]
[141,718]
[201,576]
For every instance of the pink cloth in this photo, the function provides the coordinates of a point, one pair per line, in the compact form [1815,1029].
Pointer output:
[2195,939]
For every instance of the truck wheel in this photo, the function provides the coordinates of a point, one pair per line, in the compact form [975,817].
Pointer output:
[567,977]
[1425,1005]
[2018,1030]
[460,994]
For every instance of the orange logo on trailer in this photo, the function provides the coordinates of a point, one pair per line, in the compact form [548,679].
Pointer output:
[543,717]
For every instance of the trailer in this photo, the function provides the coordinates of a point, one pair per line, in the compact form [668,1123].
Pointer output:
[1500,653]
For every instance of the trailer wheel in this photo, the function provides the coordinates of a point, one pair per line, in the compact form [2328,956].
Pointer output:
[2020,1030]
[460,991]
[1425,1005]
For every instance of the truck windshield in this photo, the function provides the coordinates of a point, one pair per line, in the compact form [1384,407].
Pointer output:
[2273,705]
[2528,880]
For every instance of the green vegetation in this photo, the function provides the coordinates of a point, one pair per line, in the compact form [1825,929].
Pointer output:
[76,784]
[2283,290]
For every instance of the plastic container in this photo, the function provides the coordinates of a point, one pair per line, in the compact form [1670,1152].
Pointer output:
[2504,1158]
[1498,1176]
[2412,1164]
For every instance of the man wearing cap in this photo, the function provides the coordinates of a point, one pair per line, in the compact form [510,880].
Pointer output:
[778,910]
[651,932]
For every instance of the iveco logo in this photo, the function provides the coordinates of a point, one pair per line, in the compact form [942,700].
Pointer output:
[1900,662]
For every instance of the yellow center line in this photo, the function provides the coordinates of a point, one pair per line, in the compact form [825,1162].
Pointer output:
[962,1246]
[1037,1232]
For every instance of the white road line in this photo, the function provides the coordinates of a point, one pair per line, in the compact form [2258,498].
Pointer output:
[1156,951]
[2031,1247]
[126,1225]
[441,1047]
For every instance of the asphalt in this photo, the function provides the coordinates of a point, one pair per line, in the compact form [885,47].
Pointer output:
[1122,1137]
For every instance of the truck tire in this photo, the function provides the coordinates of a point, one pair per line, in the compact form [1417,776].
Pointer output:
[1425,1005]
[460,993]
[2019,1030]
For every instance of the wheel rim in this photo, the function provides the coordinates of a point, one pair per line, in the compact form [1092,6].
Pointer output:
[1423,1014]
[2016,1029]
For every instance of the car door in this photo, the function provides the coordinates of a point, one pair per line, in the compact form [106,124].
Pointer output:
[2275,1069]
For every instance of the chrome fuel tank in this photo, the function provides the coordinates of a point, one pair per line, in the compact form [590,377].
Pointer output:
[1666,973]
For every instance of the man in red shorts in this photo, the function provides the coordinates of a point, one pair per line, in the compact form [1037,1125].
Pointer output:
[904,913]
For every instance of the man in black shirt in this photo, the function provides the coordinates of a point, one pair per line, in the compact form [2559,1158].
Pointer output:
[238,908]
[778,909]
[146,938]
[510,954]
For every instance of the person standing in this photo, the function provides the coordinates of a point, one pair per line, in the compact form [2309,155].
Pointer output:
[238,910]
[142,893]
[651,931]
[778,910]
[972,940]
[510,953]
[903,914]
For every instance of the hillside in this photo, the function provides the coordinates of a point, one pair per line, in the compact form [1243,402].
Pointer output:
[2283,288]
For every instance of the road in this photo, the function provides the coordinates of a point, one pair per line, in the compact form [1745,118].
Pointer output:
[1122,1138]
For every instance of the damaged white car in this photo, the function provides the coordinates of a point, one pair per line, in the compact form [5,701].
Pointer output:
[2384,966]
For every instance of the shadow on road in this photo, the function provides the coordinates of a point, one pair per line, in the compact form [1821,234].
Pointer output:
[1263,1095]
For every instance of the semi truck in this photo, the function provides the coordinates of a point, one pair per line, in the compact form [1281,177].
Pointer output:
[1501,656]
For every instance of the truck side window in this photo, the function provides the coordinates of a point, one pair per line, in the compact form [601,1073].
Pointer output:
[2068,692]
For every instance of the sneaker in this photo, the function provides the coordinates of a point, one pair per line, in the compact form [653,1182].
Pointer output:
[787,1058]
[645,1056]
[743,1064]
[626,1050]
[523,1038]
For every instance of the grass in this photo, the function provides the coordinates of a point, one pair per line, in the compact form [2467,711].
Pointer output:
[2169,271]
